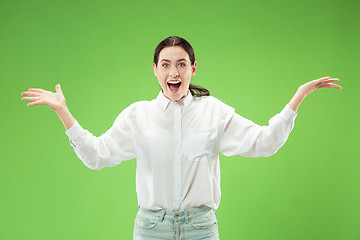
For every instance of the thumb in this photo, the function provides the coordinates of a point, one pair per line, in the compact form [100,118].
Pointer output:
[58,88]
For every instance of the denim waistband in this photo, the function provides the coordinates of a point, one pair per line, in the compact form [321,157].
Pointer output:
[161,213]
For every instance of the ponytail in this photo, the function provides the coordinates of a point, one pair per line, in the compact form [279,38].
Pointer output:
[198,91]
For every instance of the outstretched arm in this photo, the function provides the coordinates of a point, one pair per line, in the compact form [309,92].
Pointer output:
[304,90]
[244,137]
[111,148]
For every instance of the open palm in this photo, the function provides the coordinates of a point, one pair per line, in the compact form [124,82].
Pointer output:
[42,97]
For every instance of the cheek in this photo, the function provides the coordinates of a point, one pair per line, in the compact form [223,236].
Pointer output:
[162,82]
[187,77]
[187,73]
[161,77]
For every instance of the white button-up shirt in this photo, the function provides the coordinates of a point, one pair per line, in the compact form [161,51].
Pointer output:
[176,145]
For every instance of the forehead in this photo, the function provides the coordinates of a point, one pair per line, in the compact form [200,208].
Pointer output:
[173,53]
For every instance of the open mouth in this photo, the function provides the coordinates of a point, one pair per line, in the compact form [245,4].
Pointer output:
[174,86]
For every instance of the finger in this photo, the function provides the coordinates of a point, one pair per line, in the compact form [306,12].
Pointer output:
[323,78]
[320,80]
[30,98]
[33,103]
[326,81]
[58,88]
[329,85]
[36,90]
[30,93]
[331,80]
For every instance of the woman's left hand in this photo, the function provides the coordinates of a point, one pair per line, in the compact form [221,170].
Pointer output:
[324,82]
[307,88]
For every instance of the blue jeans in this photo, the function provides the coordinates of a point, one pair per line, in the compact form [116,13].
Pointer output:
[195,223]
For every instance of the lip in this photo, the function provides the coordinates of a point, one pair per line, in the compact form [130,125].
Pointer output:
[173,80]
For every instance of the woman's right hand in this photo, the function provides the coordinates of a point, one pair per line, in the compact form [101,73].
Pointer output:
[56,101]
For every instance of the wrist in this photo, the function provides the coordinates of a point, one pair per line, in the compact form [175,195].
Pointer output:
[297,99]
[62,108]
[301,92]
[65,116]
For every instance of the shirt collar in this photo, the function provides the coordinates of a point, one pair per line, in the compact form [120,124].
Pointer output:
[164,101]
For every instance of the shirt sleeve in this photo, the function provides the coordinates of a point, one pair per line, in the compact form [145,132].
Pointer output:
[110,149]
[245,138]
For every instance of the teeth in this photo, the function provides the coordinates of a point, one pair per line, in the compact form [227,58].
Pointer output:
[174,82]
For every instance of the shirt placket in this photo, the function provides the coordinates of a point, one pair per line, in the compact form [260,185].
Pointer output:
[177,156]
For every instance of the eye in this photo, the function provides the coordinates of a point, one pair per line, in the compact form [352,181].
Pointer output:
[182,64]
[165,64]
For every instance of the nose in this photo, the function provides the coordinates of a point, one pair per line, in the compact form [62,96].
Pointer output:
[174,72]
[174,75]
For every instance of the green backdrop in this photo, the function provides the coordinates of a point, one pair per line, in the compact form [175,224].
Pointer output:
[252,55]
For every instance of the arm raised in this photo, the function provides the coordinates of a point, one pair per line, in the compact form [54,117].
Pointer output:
[111,148]
[244,137]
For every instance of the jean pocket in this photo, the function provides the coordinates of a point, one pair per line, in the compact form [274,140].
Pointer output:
[207,220]
[144,222]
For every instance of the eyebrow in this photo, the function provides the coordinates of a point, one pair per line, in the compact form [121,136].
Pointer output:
[167,60]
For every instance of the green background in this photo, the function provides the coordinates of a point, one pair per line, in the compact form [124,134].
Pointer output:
[252,55]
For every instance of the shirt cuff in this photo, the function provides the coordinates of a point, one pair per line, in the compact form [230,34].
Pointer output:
[288,114]
[74,131]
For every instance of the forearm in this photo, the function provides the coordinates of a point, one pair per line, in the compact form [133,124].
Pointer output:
[65,116]
[297,99]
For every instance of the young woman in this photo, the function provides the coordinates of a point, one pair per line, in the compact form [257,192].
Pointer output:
[176,139]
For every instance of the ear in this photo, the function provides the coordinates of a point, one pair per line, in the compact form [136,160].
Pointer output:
[193,72]
[155,69]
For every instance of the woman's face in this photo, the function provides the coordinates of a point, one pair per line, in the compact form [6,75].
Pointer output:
[174,72]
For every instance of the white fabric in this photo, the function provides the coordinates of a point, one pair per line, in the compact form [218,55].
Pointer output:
[177,145]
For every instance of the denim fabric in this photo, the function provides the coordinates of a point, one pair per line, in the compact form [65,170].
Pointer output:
[195,223]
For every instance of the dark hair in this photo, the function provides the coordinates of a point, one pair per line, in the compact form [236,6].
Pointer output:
[195,90]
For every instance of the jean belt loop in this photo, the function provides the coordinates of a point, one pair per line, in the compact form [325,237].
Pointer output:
[187,216]
[162,216]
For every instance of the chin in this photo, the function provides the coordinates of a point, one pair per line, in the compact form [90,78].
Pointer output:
[175,96]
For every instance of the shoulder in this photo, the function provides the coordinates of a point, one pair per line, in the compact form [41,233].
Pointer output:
[138,104]
[208,99]
[131,109]
[213,103]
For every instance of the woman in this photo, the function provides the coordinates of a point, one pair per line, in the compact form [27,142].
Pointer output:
[176,139]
